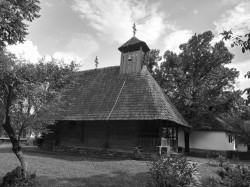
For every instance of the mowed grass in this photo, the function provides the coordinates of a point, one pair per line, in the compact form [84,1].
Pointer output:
[58,169]
[66,170]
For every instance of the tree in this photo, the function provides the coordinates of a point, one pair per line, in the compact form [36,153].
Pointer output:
[239,121]
[28,91]
[197,80]
[13,15]
[239,40]
[152,58]
[244,42]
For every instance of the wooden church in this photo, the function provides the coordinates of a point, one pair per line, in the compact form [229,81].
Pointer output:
[117,108]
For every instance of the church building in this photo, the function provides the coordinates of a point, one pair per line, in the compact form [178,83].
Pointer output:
[117,108]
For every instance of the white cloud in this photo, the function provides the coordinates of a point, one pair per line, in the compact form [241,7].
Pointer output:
[174,39]
[232,1]
[48,4]
[237,19]
[195,11]
[113,19]
[26,50]
[80,47]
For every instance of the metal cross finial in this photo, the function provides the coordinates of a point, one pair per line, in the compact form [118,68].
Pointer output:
[134,29]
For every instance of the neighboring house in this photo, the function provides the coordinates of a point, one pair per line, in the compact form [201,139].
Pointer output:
[218,137]
[117,108]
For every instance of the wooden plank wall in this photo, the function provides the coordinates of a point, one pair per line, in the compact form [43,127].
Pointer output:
[122,135]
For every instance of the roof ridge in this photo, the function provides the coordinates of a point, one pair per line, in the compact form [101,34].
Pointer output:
[98,69]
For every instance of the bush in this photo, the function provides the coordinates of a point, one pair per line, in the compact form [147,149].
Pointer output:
[16,178]
[235,175]
[171,171]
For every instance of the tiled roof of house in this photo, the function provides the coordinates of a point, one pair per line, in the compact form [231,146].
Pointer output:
[104,94]
[134,44]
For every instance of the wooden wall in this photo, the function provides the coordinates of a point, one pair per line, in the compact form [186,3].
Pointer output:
[112,135]
[116,135]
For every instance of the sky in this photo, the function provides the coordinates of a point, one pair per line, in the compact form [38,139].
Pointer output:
[83,29]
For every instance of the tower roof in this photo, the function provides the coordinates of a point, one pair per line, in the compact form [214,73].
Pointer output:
[134,44]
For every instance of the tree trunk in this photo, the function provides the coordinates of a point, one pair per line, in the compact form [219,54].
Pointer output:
[16,148]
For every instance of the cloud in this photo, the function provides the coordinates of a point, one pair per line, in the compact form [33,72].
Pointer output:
[226,2]
[48,4]
[195,11]
[174,39]
[237,19]
[26,50]
[113,19]
[80,47]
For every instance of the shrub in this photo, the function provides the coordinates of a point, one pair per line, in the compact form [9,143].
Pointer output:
[234,175]
[16,178]
[171,171]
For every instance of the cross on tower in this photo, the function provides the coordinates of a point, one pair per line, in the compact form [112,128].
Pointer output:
[134,29]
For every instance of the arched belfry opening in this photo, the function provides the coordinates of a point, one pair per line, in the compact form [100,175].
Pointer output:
[132,55]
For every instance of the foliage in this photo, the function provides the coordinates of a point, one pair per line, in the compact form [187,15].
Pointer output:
[247,90]
[171,171]
[152,58]
[197,80]
[234,175]
[216,161]
[239,40]
[13,16]
[37,90]
[16,178]
[28,93]
[239,121]
[244,42]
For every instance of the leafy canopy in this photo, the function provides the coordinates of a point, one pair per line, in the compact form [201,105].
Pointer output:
[197,79]
[13,14]
[36,90]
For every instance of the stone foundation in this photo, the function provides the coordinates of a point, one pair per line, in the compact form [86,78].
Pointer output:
[99,152]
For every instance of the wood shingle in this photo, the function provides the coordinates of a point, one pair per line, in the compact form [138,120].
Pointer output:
[105,94]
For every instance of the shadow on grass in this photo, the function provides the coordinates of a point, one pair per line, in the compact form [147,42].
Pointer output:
[115,179]
[34,151]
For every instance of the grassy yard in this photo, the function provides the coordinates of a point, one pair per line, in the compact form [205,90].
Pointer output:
[65,170]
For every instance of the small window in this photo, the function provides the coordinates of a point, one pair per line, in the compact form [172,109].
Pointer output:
[230,138]
[72,125]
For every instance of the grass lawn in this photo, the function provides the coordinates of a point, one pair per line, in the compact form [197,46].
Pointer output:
[68,170]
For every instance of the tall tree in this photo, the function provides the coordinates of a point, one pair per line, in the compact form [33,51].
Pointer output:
[27,91]
[13,15]
[197,80]
[152,59]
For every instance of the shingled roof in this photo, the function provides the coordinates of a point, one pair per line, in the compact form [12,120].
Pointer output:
[104,94]
[134,44]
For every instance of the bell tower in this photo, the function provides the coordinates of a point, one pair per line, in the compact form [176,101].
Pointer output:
[132,55]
